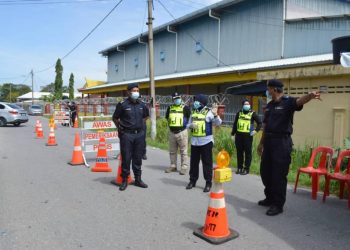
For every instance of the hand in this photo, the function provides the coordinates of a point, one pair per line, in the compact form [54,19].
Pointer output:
[253,133]
[233,138]
[193,125]
[214,109]
[260,149]
[315,95]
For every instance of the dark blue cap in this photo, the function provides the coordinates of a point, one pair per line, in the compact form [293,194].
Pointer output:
[275,83]
[132,85]
[203,99]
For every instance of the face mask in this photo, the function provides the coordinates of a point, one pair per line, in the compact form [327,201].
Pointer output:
[135,95]
[268,95]
[246,107]
[196,105]
[177,101]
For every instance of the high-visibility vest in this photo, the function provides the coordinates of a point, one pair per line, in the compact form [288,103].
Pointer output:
[176,116]
[199,119]
[244,121]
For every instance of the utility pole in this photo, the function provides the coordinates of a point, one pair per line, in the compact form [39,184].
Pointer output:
[32,73]
[151,69]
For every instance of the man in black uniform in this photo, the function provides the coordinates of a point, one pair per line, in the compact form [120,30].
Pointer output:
[276,144]
[243,129]
[129,117]
[73,112]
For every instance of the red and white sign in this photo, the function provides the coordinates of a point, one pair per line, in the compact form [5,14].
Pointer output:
[96,136]
[109,147]
[99,124]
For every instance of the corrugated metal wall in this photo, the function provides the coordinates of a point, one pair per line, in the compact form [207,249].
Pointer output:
[324,7]
[164,43]
[113,60]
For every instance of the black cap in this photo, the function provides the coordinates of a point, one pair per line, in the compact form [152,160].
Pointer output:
[245,100]
[176,95]
[203,99]
[275,83]
[132,85]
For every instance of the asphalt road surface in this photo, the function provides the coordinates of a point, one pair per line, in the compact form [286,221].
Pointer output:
[47,204]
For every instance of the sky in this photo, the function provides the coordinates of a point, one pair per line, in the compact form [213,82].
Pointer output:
[35,33]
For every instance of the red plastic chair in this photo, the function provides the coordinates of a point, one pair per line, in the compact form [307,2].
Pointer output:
[316,171]
[339,176]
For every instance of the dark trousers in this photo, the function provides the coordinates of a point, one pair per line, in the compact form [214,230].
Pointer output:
[274,168]
[131,148]
[144,143]
[205,153]
[243,144]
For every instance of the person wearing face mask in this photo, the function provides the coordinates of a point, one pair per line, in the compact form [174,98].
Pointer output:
[201,125]
[129,117]
[275,146]
[242,133]
[178,115]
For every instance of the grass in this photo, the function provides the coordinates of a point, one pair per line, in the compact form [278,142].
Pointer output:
[222,140]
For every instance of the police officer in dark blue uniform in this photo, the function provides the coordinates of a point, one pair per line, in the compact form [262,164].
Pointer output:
[276,144]
[129,117]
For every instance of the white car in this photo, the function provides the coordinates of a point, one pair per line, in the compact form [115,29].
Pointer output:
[12,114]
[35,110]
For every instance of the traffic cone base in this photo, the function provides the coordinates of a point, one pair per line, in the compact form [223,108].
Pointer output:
[216,229]
[40,134]
[118,179]
[101,159]
[77,155]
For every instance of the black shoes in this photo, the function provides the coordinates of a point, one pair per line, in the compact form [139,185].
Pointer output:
[140,183]
[245,172]
[207,187]
[274,210]
[191,185]
[239,171]
[124,184]
[144,157]
[264,203]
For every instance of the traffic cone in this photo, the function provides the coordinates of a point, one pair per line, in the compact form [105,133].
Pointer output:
[216,229]
[40,133]
[118,179]
[101,159]
[37,126]
[77,156]
[76,124]
[52,139]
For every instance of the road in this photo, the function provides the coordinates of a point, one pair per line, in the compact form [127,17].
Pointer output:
[47,204]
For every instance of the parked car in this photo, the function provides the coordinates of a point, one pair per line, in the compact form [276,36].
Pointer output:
[35,110]
[12,114]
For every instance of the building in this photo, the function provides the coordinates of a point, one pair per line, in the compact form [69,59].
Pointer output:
[243,43]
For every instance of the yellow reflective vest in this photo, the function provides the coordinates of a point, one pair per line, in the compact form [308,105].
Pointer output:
[176,116]
[243,123]
[199,119]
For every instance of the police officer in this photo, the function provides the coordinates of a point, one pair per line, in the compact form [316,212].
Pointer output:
[243,129]
[73,112]
[178,115]
[129,117]
[276,143]
[201,124]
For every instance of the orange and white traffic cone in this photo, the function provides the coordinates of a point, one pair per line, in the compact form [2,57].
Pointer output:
[37,126]
[216,229]
[40,133]
[101,159]
[52,139]
[77,156]
[118,179]
[76,124]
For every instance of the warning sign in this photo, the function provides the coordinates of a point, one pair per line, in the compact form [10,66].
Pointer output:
[96,136]
[109,147]
[99,125]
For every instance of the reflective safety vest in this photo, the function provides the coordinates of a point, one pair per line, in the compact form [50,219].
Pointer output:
[199,119]
[243,123]
[176,116]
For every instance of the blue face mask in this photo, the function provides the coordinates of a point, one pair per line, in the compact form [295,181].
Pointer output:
[196,105]
[135,95]
[246,107]
[268,95]
[177,101]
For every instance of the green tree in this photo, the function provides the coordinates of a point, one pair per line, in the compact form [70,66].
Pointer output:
[58,80]
[71,86]
[9,91]
[49,88]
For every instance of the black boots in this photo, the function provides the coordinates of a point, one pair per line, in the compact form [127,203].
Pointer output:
[139,182]
[245,171]
[239,171]
[207,187]
[124,184]
[191,185]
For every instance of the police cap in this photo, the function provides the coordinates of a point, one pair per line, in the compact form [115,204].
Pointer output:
[275,84]
[203,99]
[176,95]
[132,85]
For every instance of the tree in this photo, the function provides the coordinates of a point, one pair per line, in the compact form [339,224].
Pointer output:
[9,91]
[49,88]
[71,86]
[58,80]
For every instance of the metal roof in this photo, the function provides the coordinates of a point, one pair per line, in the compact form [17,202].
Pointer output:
[273,64]
[184,19]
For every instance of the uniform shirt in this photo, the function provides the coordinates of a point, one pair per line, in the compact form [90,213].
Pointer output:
[186,113]
[203,140]
[131,114]
[279,115]
[255,118]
